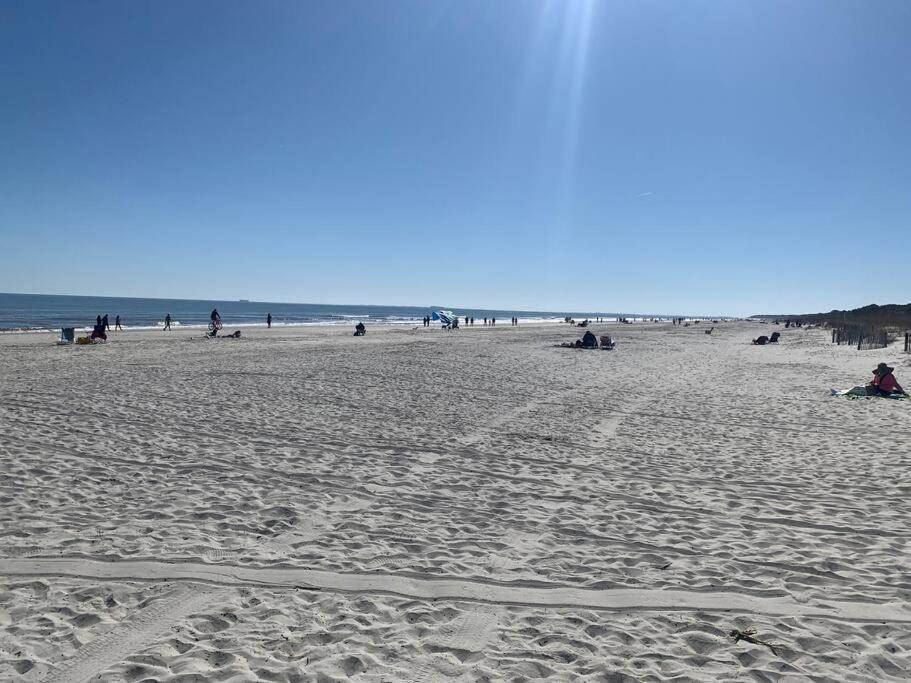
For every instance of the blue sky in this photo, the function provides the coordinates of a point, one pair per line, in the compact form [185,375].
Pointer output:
[695,157]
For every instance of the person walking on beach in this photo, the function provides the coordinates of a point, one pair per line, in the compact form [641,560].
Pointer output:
[98,321]
[269,320]
[117,324]
[167,322]
[104,321]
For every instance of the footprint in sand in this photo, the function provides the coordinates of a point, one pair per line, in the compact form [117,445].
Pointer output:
[385,562]
[514,551]
[284,544]
[469,632]
[348,504]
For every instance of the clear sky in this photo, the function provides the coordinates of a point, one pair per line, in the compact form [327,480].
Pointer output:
[694,157]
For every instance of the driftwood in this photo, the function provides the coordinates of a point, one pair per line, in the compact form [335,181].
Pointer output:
[747,635]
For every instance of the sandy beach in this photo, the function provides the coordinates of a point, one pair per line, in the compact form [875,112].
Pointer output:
[420,505]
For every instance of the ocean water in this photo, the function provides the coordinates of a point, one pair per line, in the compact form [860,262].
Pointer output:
[19,312]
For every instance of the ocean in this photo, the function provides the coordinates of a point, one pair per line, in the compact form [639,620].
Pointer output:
[22,312]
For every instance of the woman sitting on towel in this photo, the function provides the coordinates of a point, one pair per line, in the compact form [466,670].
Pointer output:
[884,382]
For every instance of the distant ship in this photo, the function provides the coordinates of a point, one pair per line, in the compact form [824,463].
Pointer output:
[243,301]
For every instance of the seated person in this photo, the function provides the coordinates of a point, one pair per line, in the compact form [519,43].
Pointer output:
[589,341]
[761,341]
[884,382]
[360,330]
[98,332]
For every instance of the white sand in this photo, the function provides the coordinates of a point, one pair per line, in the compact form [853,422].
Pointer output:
[304,505]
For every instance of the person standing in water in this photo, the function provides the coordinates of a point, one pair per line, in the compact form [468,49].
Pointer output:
[167,322]
[269,320]
[117,324]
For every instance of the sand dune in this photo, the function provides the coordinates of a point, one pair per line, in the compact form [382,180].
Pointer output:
[420,505]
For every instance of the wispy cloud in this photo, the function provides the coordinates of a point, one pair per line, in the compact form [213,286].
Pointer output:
[645,194]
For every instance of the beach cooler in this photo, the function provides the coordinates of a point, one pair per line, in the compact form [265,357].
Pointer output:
[67,335]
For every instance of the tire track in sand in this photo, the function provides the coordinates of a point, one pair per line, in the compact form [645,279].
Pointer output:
[493,593]
[484,431]
[134,633]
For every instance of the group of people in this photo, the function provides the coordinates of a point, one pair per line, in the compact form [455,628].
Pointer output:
[762,339]
[103,326]
[214,321]
[590,341]
[469,320]
[100,331]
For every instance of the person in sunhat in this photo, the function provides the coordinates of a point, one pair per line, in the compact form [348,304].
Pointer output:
[884,382]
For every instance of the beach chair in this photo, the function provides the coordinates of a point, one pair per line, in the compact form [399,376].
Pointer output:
[67,335]
[607,344]
[774,338]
